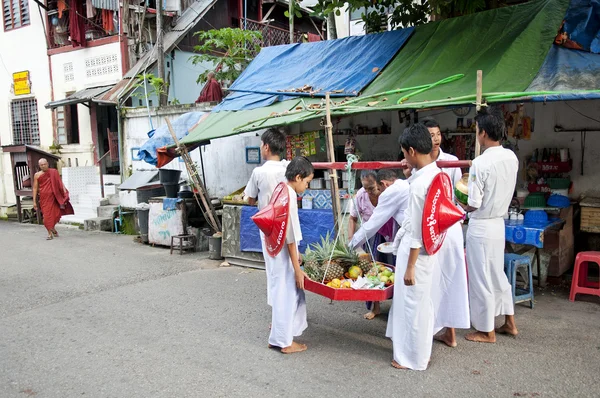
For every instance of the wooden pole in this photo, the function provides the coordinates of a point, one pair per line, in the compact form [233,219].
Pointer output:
[291,12]
[162,98]
[335,192]
[478,107]
[209,211]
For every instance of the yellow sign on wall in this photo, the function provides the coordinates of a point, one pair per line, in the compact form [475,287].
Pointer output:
[21,83]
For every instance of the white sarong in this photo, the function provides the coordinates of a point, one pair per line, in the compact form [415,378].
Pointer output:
[490,294]
[449,288]
[410,322]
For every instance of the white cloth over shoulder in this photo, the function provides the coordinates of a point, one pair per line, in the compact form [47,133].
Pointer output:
[288,302]
[450,291]
[410,323]
[492,180]
[392,204]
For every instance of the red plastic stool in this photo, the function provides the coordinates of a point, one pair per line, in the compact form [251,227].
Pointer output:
[580,283]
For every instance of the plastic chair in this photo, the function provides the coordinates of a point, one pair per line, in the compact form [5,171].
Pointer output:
[581,284]
[512,262]
[119,220]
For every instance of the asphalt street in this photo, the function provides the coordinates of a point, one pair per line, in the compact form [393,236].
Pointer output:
[99,315]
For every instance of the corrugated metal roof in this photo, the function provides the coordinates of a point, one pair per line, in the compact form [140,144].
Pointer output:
[85,95]
[184,24]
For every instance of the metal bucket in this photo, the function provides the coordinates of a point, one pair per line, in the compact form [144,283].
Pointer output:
[214,247]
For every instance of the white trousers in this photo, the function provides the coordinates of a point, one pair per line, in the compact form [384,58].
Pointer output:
[449,290]
[490,294]
[288,302]
[410,322]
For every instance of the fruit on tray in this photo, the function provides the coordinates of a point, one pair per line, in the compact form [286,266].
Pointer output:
[330,261]
[354,272]
[461,190]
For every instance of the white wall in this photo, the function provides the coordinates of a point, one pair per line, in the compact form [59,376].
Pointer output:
[77,70]
[23,49]
[183,76]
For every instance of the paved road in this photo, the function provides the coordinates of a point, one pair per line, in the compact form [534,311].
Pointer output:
[98,315]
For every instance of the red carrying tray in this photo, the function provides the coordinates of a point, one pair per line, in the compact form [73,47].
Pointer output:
[350,294]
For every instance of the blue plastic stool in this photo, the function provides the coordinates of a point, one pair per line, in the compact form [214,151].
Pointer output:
[511,263]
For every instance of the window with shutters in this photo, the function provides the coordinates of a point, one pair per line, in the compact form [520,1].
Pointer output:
[24,120]
[15,13]
[67,124]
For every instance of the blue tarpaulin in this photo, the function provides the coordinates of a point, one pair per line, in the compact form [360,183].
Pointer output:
[313,223]
[582,25]
[567,70]
[162,137]
[343,67]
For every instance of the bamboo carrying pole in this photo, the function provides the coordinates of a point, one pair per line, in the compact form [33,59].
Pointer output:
[335,193]
[478,107]
[206,206]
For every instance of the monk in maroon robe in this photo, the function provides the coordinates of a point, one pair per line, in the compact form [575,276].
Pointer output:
[54,197]
[212,90]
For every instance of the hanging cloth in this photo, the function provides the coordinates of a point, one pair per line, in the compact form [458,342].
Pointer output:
[107,21]
[61,7]
[89,9]
[76,25]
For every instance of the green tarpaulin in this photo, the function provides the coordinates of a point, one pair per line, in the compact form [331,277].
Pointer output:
[508,44]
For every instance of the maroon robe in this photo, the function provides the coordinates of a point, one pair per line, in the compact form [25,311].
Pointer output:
[54,203]
[211,92]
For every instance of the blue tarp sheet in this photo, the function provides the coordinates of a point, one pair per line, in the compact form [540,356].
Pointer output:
[568,70]
[313,223]
[347,64]
[162,137]
[582,25]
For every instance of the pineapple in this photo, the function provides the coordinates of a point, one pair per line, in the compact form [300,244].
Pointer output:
[365,262]
[333,270]
[312,265]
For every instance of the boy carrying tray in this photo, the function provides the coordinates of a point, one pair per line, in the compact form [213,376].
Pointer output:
[410,323]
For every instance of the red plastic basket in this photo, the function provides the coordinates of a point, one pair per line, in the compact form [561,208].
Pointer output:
[350,294]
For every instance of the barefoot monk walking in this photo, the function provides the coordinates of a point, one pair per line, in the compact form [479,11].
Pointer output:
[53,199]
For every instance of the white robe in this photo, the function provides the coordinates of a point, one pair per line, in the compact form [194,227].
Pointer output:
[492,180]
[450,291]
[261,185]
[288,302]
[410,322]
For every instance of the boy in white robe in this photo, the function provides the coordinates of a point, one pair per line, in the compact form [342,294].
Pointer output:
[265,178]
[492,180]
[286,278]
[410,323]
[450,293]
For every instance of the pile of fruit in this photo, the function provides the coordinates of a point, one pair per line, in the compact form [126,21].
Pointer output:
[340,269]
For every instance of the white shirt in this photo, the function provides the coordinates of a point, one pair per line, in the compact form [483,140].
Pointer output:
[294,233]
[454,172]
[492,181]
[420,181]
[392,203]
[264,179]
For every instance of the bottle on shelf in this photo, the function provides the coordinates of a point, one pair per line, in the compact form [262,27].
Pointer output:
[545,155]
[534,156]
[551,155]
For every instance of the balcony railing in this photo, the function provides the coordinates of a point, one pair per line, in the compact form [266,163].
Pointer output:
[271,35]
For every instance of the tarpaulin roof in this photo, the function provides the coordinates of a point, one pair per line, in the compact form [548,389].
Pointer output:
[582,25]
[343,66]
[437,67]
[162,136]
[567,70]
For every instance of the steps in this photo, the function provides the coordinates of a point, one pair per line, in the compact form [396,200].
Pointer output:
[107,211]
[98,224]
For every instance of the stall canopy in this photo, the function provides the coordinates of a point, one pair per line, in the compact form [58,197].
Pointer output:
[437,67]
[92,94]
[343,67]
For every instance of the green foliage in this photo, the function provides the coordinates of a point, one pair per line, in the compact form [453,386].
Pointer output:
[157,86]
[232,48]
[401,13]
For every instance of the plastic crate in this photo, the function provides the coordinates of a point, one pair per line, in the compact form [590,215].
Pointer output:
[559,183]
